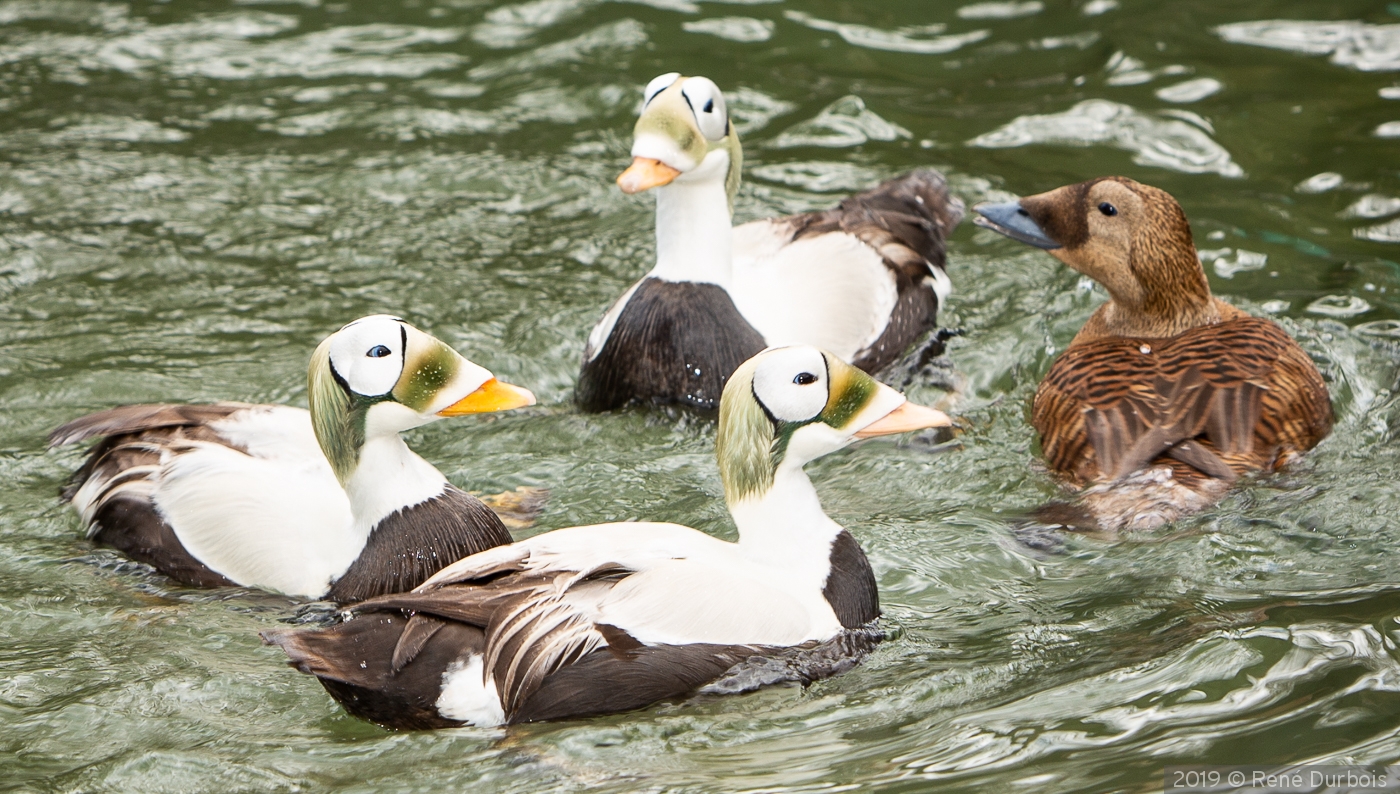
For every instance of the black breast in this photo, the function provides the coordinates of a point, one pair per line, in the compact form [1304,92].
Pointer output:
[416,542]
[674,342]
[850,586]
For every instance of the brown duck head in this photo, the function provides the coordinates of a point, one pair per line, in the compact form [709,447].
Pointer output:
[1130,237]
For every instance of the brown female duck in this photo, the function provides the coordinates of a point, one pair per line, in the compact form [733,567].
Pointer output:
[1167,394]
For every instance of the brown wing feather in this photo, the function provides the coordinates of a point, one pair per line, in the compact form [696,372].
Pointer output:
[355,662]
[530,631]
[127,419]
[419,629]
[906,220]
[386,663]
[1241,392]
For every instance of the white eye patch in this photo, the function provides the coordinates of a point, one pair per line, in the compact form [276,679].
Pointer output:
[657,85]
[368,354]
[792,383]
[706,101]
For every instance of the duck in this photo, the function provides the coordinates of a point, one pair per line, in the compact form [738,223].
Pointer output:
[864,280]
[1168,394]
[326,503]
[607,618]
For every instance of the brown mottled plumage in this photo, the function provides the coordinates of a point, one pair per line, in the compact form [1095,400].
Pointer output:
[1167,394]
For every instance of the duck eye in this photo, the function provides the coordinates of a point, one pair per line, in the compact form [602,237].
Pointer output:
[710,106]
[804,379]
[378,351]
[1108,209]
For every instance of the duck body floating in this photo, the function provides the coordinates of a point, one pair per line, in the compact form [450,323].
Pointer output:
[1167,394]
[608,618]
[322,503]
[864,280]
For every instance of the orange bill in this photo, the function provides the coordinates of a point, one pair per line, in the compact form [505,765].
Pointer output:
[905,418]
[491,396]
[645,174]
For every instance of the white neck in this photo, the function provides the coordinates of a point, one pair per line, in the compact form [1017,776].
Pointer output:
[389,477]
[693,225]
[785,530]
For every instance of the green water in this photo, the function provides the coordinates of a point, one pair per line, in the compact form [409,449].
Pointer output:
[193,193]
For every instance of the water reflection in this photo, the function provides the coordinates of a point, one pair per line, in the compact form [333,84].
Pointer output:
[845,122]
[1354,44]
[1153,140]
[192,196]
[1191,90]
[921,40]
[745,30]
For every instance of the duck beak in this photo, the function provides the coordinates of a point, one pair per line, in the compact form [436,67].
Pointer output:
[490,396]
[907,417]
[645,173]
[1012,219]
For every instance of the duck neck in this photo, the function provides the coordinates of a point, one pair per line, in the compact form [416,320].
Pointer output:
[1130,321]
[693,230]
[1178,300]
[785,530]
[1168,292]
[388,478]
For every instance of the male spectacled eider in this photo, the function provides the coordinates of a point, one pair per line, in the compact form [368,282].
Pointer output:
[327,503]
[1167,394]
[863,280]
[613,617]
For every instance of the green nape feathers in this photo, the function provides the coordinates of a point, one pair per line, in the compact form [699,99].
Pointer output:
[750,445]
[736,164]
[746,444]
[339,421]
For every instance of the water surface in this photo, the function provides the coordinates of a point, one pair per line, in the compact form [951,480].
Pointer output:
[193,193]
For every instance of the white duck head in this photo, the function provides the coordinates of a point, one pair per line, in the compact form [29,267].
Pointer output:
[684,135]
[379,376]
[791,405]
[686,151]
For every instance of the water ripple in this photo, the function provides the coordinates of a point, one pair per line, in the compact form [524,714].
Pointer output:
[745,30]
[1239,682]
[921,40]
[1358,45]
[1001,10]
[1371,205]
[1191,90]
[242,46]
[625,34]
[845,122]
[515,25]
[1154,141]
